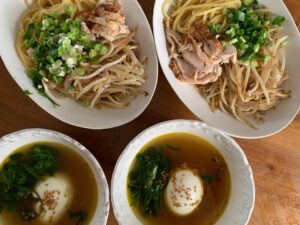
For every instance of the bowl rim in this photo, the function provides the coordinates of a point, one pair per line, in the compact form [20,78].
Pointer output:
[90,159]
[157,6]
[140,107]
[191,122]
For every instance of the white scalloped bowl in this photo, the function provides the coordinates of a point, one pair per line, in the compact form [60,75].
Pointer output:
[69,111]
[242,197]
[275,120]
[13,141]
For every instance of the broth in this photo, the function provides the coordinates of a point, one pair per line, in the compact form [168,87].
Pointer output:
[85,195]
[198,154]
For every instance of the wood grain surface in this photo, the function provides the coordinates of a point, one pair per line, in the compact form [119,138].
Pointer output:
[275,160]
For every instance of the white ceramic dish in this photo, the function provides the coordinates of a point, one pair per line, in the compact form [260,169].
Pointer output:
[11,142]
[275,120]
[242,196]
[70,111]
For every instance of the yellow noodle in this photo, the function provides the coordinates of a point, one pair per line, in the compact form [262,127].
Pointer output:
[120,68]
[241,90]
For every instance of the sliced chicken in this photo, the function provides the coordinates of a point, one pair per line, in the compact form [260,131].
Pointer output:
[106,21]
[196,57]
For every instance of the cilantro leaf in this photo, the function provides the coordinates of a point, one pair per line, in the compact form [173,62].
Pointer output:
[20,174]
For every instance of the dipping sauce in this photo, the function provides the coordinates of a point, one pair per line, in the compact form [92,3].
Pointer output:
[68,195]
[205,184]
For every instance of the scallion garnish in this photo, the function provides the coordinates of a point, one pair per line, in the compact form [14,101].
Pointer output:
[247,29]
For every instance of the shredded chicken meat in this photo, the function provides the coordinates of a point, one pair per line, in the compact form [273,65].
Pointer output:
[106,21]
[196,57]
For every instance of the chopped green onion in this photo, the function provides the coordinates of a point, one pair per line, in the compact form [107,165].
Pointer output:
[92,53]
[46,23]
[242,39]
[247,29]
[50,59]
[57,44]
[70,10]
[233,41]
[266,57]
[283,44]
[56,72]
[80,71]
[231,32]
[95,61]
[247,2]
[71,62]
[77,23]
[58,80]
[278,20]
[254,63]
[42,73]
[97,46]
[230,15]
[215,28]
[84,37]
[247,55]
[256,47]
[103,50]
[224,43]
[72,52]
[57,64]
[54,15]
[240,16]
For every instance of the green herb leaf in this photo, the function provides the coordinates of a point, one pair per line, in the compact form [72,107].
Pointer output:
[27,92]
[278,20]
[81,216]
[148,180]
[207,178]
[20,174]
[44,160]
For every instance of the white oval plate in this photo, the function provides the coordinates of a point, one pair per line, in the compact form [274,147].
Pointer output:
[275,120]
[70,111]
[13,141]
[242,197]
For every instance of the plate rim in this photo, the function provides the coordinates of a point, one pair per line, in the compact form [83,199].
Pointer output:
[156,10]
[37,101]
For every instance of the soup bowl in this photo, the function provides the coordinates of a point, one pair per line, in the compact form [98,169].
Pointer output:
[242,196]
[13,141]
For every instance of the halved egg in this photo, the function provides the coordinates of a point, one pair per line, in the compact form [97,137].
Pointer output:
[184,192]
[56,193]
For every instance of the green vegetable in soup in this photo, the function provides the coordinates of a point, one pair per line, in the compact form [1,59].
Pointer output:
[148,180]
[20,174]
[81,216]
[208,178]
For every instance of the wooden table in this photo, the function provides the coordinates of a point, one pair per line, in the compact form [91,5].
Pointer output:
[275,160]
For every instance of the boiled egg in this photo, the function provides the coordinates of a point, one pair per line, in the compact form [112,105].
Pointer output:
[56,194]
[184,192]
